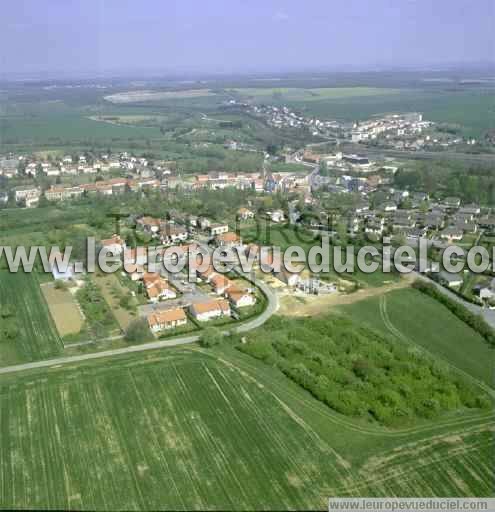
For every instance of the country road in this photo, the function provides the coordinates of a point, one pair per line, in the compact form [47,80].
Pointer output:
[474,158]
[271,308]
[487,314]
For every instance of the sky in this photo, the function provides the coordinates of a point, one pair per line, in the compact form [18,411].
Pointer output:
[234,36]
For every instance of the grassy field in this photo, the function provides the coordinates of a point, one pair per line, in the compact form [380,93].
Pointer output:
[425,322]
[317,94]
[468,108]
[54,123]
[184,429]
[36,334]
[139,96]
[17,221]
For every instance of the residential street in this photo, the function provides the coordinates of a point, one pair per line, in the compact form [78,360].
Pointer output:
[154,345]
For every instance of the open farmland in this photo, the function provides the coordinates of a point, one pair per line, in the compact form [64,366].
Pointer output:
[138,96]
[314,94]
[465,107]
[183,429]
[65,128]
[421,320]
[36,336]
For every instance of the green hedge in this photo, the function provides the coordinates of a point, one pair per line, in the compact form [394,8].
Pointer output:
[476,322]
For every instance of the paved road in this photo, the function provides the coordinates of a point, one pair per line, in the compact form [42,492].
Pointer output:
[348,147]
[419,155]
[247,326]
[269,310]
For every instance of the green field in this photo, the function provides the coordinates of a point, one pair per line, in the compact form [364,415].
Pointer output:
[315,94]
[36,335]
[183,429]
[419,319]
[472,109]
[66,128]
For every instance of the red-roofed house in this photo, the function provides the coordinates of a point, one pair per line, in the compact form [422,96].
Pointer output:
[220,283]
[240,298]
[168,319]
[115,244]
[204,311]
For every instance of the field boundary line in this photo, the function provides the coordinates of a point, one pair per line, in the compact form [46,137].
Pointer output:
[245,368]
[402,337]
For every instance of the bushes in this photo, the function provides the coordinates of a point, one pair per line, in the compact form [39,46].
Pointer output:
[59,285]
[8,323]
[361,373]
[98,315]
[211,337]
[476,322]
[138,330]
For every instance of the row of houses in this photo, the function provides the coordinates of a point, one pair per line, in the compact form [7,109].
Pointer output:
[172,232]
[71,165]
[237,296]
[270,183]
[109,187]
[447,219]
[203,311]
[30,195]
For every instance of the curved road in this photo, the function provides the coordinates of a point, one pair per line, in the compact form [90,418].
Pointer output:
[271,308]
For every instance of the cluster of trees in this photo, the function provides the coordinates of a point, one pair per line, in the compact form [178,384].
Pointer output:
[211,337]
[138,330]
[218,159]
[9,329]
[476,322]
[99,318]
[475,184]
[361,373]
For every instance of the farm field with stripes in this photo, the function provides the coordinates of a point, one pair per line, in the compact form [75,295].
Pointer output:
[188,429]
[36,336]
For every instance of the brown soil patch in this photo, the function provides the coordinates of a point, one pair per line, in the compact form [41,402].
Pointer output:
[63,308]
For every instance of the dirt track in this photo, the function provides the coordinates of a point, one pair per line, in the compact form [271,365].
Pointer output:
[313,305]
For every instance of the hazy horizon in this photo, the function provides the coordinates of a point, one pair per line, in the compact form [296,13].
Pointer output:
[105,37]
